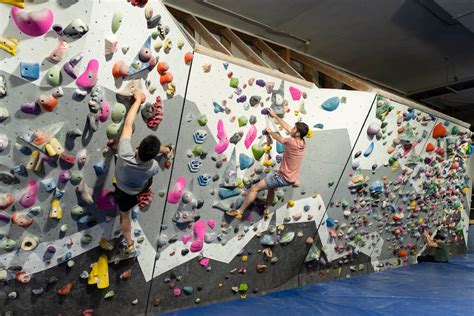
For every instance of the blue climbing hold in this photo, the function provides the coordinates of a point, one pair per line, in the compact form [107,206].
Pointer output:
[306,208]
[330,222]
[65,258]
[25,150]
[199,136]
[204,179]
[30,71]
[245,161]
[319,125]
[217,107]
[49,184]
[225,193]
[99,167]
[369,150]
[330,104]
[280,147]
[58,194]
[267,240]
[194,165]
[137,232]
[226,65]
[134,214]
[410,115]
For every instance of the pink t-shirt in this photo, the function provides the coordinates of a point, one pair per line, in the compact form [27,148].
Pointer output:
[292,158]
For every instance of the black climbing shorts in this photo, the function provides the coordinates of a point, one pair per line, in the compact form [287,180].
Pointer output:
[125,201]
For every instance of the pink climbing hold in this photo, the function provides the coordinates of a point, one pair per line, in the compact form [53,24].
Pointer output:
[204,262]
[199,230]
[88,79]
[222,136]
[186,238]
[28,196]
[106,199]
[295,93]
[211,223]
[104,111]
[251,135]
[175,195]
[34,23]
[176,291]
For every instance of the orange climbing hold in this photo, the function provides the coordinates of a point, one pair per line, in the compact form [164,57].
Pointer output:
[188,57]
[65,290]
[430,148]
[162,67]
[439,130]
[166,78]
[120,69]
[402,253]
[454,166]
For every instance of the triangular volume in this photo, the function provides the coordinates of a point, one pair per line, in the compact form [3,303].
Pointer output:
[41,136]
[143,60]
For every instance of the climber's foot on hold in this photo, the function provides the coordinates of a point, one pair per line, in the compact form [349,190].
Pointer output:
[235,213]
[130,247]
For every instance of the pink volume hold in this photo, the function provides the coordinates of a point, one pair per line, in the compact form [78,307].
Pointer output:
[251,135]
[88,79]
[175,195]
[223,139]
[34,23]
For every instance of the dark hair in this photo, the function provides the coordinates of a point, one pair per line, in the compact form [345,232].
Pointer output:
[439,236]
[302,128]
[149,148]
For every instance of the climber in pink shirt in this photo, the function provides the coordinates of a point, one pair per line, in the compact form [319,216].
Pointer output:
[289,172]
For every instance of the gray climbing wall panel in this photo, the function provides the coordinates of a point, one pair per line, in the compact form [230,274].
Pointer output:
[190,252]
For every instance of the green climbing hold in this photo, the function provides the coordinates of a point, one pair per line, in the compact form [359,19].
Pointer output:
[357,238]
[242,121]
[234,82]
[243,287]
[113,130]
[287,238]
[8,244]
[116,21]
[197,150]
[118,112]
[455,130]
[76,177]
[313,253]
[257,152]
[188,290]
[202,120]
[155,35]
[53,76]
[330,183]
[109,294]
[86,239]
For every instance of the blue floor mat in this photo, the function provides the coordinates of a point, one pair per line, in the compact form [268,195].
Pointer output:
[423,289]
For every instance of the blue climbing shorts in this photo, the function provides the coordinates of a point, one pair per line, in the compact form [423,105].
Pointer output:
[276,180]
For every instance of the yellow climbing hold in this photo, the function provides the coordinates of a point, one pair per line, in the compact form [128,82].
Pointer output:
[50,150]
[16,3]
[56,210]
[310,133]
[100,273]
[245,258]
[465,190]
[9,44]
[267,148]
[105,244]
[291,203]
[268,163]
[394,166]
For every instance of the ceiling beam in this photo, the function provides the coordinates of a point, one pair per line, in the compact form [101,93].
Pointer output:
[241,46]
[280,62]
[206,35]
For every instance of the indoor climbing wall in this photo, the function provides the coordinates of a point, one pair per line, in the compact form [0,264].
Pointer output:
[207,256]
[376,174]
[66,72]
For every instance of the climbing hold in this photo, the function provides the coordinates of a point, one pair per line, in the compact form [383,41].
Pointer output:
[313,254]
[287,237]
[295,93]
[188,58]
[225,193]
[199,230]
[77,211]
[29,243]
[53,76]
[106,199]
[330,104]
[4,114]
[47,102]
[64,175]
[76,29]
[369,150]
[200,136]
[257,152]
[3,142]
[439,131]
[234,82]
[206,67]
[204,180]
[88,79]
[58,53]
[250,137]
[21,219]
[116,21]
[9,44]
[267,240]
[34,23]
[49,184]
[86,239]
[6,200]
[242,121]
[373,129]
[8,244]
[100,168]
[158,112]
[29,71]
[166,78]
[430,147]
[56,210]
[85,192]
[138,64]
[65,290]
[120,69]
[222,136]
[245,161]
[455,130]
[110,45]
[194,165]
[28,196]
[118,112]
[174,195]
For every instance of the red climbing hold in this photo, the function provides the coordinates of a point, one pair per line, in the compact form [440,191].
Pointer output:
[439,130]
[454,166]
[166,78]
[402,253]
[158,113]
[162,67]
[188,57]
[138,3]
[88,312]
[65,290]
[145,198]
[430,148]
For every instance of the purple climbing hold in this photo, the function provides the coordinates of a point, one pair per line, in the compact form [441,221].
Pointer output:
[242,99]
[30,108]
[260,83]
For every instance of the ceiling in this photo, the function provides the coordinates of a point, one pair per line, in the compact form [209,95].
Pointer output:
[420,48]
